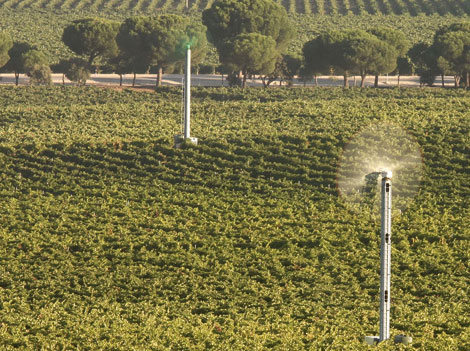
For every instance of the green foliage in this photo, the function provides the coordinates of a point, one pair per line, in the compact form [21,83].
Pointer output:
[92,37]
[76,70]
[15,63]
[422,58]
[5,46]
[226,19]
[44,27]
[287,66]
[392,37]
[114,240]
[40,74]
[251,53]
[318,54]
[339,8]
[349,51]
[36,67]
[31,59]
[160,41]
[365,54]
[451,49]
[231,23]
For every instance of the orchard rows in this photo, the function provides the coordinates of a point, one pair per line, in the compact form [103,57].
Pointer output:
[113,239]
[322,7]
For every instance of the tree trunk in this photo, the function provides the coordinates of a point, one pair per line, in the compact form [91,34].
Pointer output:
[467,82]
[316,80]
[376,81]
[265,82]
[363,80]
[63,79]
[442,81]
[133,79]
[456,81]
[345,81]
[244,74]
[398,80]
[120,80]
[17,78]
[222,79]
[159,76]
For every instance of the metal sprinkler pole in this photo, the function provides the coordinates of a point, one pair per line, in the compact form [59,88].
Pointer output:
[187,93]
[385,255]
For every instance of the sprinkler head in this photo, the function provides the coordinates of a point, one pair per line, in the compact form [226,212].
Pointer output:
[387,174]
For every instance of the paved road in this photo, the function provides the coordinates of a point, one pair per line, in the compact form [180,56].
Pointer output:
[148,80]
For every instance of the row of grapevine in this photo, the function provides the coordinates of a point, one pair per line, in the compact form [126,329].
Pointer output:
[322,7]
[114,240]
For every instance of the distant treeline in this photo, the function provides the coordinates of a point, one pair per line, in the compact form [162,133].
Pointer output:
[251,37]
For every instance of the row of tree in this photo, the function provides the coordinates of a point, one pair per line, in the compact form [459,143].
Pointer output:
[251,38]
[384,50]
[23,58]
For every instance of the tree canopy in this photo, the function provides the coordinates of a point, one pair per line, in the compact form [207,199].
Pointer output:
[77,70]
[231,23]
[226,19]
[349,51]
[451,49]
[5,46]
[32,59]
[318,54]
[396,40]
[16,63]
[92,38]
[364,54]
[160,41]
[251,53]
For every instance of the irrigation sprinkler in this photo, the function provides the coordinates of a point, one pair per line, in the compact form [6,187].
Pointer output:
[363,163]
[385,255]
[385,262]
[186,136]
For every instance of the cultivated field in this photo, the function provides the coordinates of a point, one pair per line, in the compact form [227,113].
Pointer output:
[320,7]
[114,240]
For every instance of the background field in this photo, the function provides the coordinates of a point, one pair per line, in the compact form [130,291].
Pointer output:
[320,7]
[42,21]
[113,240]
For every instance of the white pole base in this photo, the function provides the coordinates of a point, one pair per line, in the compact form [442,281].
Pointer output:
[403,339]
[399,339]
[180,140]
[371,340]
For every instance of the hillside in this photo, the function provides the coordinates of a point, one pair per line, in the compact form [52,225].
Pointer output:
[113,240]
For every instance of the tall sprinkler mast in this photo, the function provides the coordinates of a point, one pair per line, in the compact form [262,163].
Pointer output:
[386,263]
[385,255]
[180,139]
[187,94]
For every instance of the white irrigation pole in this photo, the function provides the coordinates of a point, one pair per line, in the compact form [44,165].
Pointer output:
[187,94]
[385,255]
[186,136]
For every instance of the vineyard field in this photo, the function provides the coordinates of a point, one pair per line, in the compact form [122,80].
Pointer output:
[318,7]
[111,239]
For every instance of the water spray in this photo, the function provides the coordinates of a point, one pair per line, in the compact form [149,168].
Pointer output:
[365,183]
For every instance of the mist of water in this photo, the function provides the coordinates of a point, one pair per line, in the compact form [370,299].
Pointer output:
[377,148]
